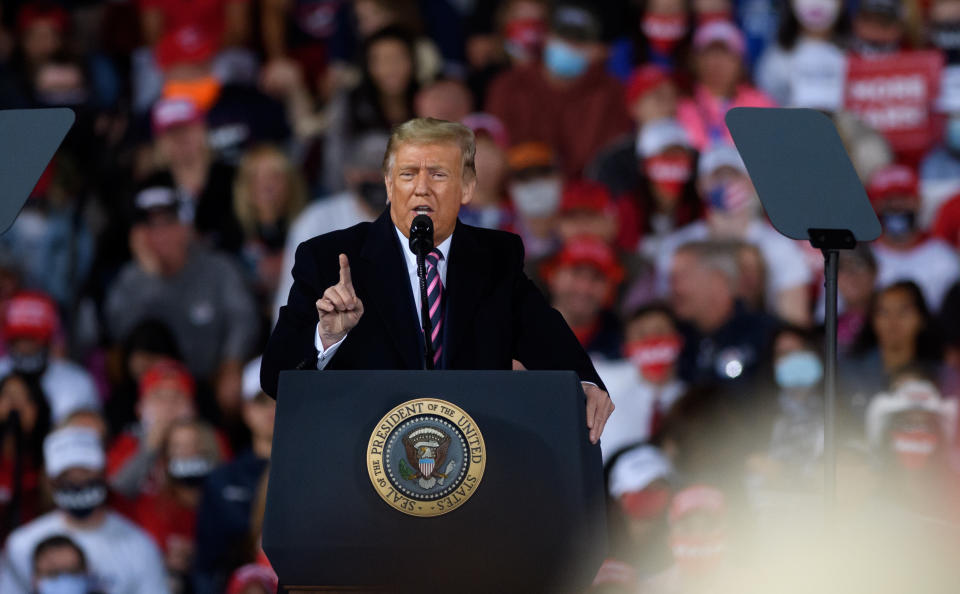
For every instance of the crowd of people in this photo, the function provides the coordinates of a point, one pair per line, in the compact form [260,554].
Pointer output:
[140,281]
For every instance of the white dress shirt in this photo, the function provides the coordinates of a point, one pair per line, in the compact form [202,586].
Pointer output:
[324,355]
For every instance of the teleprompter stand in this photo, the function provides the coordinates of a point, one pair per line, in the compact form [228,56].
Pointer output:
[534,523]
[810,191]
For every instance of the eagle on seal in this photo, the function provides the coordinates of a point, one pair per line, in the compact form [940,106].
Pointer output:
[426,452]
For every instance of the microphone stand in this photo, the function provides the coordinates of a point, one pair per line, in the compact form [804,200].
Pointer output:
[425,313]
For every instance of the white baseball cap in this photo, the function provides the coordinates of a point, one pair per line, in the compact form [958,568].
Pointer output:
[636,469]
[655,137]
[72,447]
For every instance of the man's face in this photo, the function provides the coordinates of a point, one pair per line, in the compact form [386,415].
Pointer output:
[168,239]
[658,103]
[690,285]
[428,179]
[56,561]
[166,401]
[579,291]
[259,415]
[183,143]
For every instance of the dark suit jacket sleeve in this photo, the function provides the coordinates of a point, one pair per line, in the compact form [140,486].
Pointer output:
[542,338]
[291,344]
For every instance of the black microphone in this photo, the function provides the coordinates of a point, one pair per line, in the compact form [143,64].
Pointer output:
[421,235]
[421,242]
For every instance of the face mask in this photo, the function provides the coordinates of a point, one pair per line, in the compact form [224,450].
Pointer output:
[914,448]
[865,47]
[664,31]
[800,369]
[816,15]
[563,60]
[898,224]
[32,365]
[946,36]
[189,471]
[65,583]
[647,504]
[373,194]
[80,500]
[668,174]
[536,198]
[654,356]
[523,39]
[952,136]
[730,197]
[698,555]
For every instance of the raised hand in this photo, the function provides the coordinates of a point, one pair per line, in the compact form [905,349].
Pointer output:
[339,308]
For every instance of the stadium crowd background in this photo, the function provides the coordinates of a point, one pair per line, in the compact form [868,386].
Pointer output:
[139,283]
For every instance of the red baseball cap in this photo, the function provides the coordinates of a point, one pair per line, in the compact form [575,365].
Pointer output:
[168,113]
[892,181]
[586,195]
[167,371]
[588,251]
[643,80]
[30,314]
[485,123]
[188,44]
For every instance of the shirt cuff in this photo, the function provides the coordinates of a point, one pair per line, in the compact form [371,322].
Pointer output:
[587,383]
[324,355]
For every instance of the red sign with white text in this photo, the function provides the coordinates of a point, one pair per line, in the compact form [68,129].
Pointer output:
[894,94]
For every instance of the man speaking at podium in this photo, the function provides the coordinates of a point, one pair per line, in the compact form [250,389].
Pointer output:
[364,286]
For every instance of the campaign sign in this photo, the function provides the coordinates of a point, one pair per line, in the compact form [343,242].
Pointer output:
[894,94]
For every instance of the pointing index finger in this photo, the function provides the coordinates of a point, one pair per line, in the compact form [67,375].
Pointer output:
[345,271]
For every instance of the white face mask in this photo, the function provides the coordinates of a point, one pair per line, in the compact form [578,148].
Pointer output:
[538,197]
[816,15]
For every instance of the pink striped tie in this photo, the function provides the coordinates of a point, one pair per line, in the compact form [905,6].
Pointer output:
[435,303]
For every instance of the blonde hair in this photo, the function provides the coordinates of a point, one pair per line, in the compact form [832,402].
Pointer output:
[243,205]
[433,131]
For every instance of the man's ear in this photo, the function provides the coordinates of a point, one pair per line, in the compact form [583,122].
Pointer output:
[468,190]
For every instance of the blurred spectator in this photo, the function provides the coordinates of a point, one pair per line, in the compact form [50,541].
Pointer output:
[587,209]
[227,20]
[383,99]
[722,341]
[301,30]
[949,322]
[223,520]
[664,35]
[807,67]
[535,188]
[30,323]
[733,213]
[639,485]
[568,101]
[718,65]
[202,183]
[51,239]
[878,27]
[796,445]
[947,224]
[167,394]
[24,423]
[911,429]
[667,198]
[644,383]
[189,453]
[445,100]
[121,557]
[582,280]
[900,336]
[699,541]
[59,565]
[252,579]
[40,35]
[524,25]
[488,207]
[651,96]
[856,278]
[940,170]
[197,293]
[268,195]
[903,252]
[150,342]
[364,199]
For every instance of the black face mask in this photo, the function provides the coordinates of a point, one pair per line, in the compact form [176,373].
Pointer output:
[373,194]
[898,224]
[189,472]
[946,36]
[273,236]
[32,365]
[80,499]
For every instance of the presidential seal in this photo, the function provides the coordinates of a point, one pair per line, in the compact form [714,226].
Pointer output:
[426,457]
